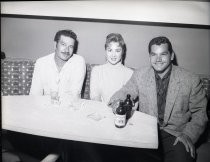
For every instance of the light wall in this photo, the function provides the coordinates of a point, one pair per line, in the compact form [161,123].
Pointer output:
[170,11]
[33,38]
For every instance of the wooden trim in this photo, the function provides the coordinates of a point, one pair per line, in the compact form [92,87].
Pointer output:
[162,24]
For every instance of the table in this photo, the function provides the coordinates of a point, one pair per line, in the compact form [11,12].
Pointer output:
[87,121]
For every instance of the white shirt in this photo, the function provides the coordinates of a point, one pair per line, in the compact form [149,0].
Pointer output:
[107,79]
[69,80]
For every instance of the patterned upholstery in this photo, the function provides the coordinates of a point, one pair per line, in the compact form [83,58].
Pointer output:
[206,85]
[86,85]
[16,76]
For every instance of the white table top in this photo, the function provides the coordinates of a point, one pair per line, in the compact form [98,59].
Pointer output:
[35,115]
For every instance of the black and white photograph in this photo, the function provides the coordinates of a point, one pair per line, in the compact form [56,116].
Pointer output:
[98,81]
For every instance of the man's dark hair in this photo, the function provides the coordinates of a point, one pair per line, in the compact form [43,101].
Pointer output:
[160,40]
[67,33]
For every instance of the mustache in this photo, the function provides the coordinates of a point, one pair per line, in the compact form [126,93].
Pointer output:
[66,53]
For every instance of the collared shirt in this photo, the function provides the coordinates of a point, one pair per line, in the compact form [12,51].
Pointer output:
[162,88]
[69,80]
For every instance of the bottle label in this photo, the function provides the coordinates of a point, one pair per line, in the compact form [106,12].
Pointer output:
[120,120]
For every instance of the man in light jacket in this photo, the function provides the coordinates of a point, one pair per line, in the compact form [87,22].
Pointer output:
[172,94]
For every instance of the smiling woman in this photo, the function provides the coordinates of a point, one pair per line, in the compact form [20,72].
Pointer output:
[106,79]
[115,49]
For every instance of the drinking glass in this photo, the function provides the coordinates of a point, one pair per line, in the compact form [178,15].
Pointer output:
[54,98]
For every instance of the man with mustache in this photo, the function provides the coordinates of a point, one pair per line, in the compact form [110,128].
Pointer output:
[62,71]
[173,95]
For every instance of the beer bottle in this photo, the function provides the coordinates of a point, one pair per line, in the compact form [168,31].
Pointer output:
[128,105]
[120,116]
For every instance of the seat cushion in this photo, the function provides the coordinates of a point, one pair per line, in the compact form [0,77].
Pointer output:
[86,86]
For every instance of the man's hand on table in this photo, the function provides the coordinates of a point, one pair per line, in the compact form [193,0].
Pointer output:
[114,104]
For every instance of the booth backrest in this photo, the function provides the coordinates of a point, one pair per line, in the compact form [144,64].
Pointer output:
[85,94]
[16,77]
[206,84]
